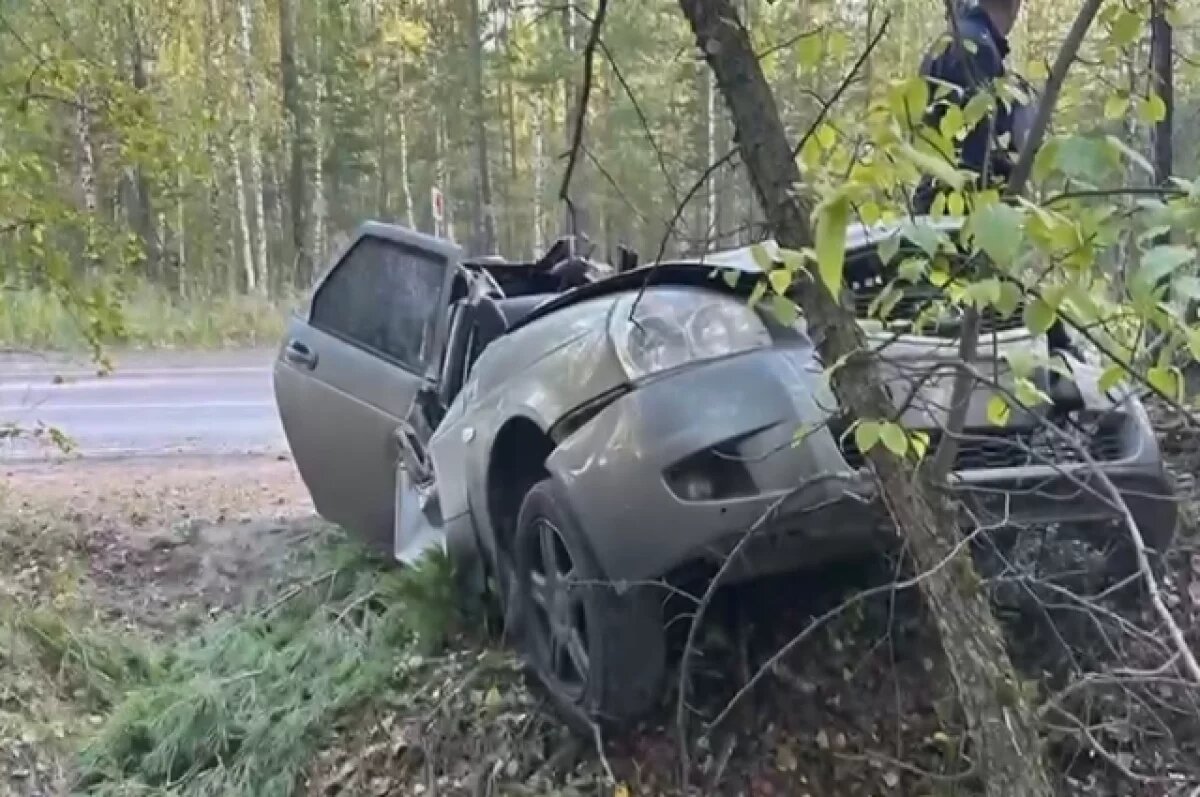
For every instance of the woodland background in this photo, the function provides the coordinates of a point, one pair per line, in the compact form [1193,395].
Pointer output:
[162,161]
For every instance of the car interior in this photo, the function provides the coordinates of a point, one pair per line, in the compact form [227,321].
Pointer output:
[492,295]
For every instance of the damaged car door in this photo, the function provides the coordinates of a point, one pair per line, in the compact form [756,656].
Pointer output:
[353,367]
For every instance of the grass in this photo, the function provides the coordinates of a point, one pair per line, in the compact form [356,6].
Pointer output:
[240,707]
[150,318]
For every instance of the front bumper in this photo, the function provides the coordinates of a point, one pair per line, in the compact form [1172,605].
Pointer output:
[678,469]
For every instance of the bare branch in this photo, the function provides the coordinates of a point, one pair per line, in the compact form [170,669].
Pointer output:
[1054,83]
[589,57]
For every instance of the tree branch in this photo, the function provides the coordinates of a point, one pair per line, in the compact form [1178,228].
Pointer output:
[589,58]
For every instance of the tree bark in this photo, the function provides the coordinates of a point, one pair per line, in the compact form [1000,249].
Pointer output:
[485,221]
[255,152]
[318,165]
[243,216]
[1007,746]
[1163,81]
[142,206]
[539,175]
[86,170]
[296,121]
[576,219]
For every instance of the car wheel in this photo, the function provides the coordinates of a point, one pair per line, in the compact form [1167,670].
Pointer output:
[599,654]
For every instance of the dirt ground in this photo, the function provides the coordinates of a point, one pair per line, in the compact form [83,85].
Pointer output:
[170,540]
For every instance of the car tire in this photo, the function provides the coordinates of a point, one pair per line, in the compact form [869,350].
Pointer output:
[599,654]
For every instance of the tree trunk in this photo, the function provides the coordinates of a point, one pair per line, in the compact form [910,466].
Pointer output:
[318,165]
[255,153]
[1007,746]
[442,175]
[539,175]
[243,216]
[86,158]
[142,208]
[218,214]
[485,220]
[296,127]
[577,222]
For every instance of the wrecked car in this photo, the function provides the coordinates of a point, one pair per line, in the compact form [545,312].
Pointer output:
[580,439]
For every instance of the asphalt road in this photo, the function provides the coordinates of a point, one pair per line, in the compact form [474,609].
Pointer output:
[151,404]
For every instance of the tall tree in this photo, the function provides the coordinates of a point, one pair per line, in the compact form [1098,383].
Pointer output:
[297,127]
[485,220]
[254,150]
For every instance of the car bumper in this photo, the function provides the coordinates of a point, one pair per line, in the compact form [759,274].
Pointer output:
[678,469]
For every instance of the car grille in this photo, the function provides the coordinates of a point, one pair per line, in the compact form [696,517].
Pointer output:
[1012,448]
[918,299]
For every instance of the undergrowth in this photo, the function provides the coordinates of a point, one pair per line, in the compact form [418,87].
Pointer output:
[242,706]
[146,317]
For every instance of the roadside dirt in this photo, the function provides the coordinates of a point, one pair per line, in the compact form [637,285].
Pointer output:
[173,541]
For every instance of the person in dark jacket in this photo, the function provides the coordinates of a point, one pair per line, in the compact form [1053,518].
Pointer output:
[965,65]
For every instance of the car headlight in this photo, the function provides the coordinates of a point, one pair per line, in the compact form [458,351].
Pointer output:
[670,327]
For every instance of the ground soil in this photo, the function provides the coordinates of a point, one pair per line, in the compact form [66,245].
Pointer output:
[174,540]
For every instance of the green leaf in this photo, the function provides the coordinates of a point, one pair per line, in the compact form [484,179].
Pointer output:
[894,438]
[832,218]
[923,235]
[1028,393]
[1152,109]
[1021,361]
[1039,316]
[1010,299]
[1113,375]
[888,248]
[780,279]
[784,310]
[1166,380]
[952,122]
[996,229]
[998,411]
[762,258]
[1116,106]
[730,276]
[1129,152]
[1124,29]
[808,50]
[931,164]
[1160,261]
[919,443]
[866,435]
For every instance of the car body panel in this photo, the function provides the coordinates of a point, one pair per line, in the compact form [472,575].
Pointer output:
[341,408]
[538,373]
[613,467]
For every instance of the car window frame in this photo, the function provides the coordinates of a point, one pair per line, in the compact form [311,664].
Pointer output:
[414,242]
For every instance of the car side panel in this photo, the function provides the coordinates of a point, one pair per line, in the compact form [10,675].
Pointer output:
[539,373]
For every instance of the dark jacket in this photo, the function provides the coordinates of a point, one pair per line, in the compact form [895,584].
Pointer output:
[970,68]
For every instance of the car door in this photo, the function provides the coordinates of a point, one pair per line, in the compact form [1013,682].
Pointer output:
[351,367]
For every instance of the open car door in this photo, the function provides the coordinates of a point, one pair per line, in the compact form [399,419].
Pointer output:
[355,367]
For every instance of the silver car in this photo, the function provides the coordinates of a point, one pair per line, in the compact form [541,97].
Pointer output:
[580,440]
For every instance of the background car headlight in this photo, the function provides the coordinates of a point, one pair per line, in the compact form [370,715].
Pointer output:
[670,327]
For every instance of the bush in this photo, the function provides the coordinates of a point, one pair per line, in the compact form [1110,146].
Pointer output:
[145,317]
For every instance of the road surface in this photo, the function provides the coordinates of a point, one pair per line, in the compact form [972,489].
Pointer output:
[151,404]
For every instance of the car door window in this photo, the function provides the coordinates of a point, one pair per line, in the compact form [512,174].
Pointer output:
[384,297]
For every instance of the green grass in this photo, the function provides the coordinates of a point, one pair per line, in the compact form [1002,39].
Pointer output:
[149,318]
[240,707]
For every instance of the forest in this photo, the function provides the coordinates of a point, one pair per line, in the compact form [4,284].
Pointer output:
[161,155]
[177,173]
